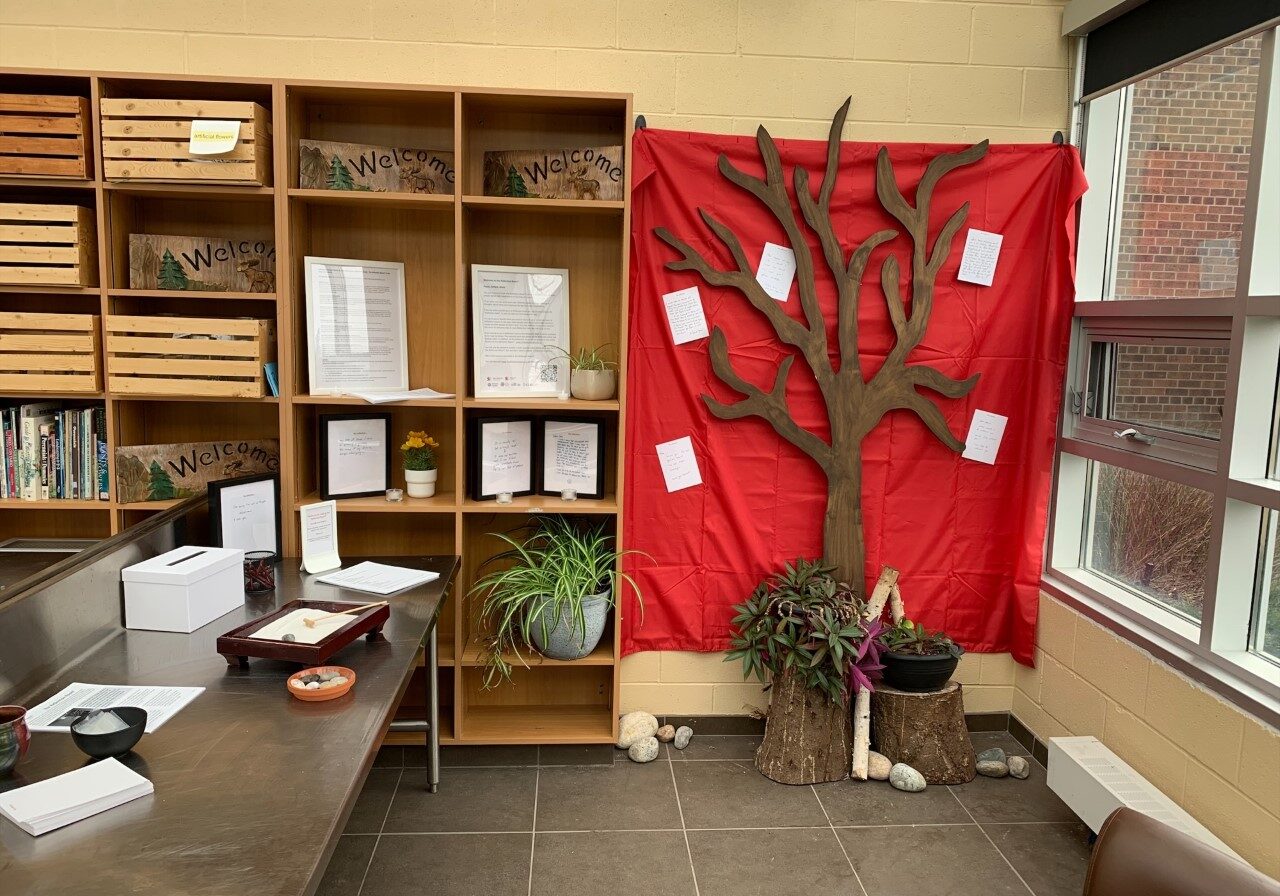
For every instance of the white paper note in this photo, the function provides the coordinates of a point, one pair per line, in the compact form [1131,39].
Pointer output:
[777,270]
[77,700]
[985,432]
[319,536]
[212,138]
[405,395]
[248,514]
[679,464]
[379,578]
[357,456]
[685,315]
[981,252]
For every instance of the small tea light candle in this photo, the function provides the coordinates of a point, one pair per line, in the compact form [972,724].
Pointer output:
[504,497]
[259,572]
[568,494]
[564,396]
[395,495]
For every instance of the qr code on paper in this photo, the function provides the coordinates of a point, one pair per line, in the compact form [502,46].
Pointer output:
[548,373]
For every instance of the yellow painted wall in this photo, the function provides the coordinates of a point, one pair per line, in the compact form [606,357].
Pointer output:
[918,71]
[1220,764]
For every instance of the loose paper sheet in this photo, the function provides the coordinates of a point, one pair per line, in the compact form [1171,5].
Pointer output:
[777,270]
[399,395]
[77,700]
[211,137]
[357,456]
[685,315]
[986,430]
[981,252]
[248,515]
[679,464]
[379,578]
[506,452]
[570,456]
[319,536]
[356,320]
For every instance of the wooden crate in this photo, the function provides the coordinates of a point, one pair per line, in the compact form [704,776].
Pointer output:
[188,356]
[47,245]
[44,136]
[41,352]
[147,140]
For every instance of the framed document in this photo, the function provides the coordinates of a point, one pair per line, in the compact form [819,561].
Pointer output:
[245,513]
[356,333]
[502,457]
[519,331]
[572,452]
[355,455]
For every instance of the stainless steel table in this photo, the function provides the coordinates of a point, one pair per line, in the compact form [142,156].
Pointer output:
[252,787]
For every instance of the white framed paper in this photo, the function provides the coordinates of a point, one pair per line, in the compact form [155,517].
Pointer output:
[319,536]
[502,457]
[357,338]
[519,331]
[573,457]
[355,455]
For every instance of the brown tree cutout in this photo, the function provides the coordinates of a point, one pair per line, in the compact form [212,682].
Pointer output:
[854,405]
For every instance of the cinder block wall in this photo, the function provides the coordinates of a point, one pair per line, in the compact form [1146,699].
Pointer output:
[1220,764]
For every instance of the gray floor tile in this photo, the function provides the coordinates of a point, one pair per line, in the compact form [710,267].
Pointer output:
[450,865]
[577,754]
[469,799]
[1003,739]
[371,806]
[948,860]
[389,757]
[1009,799]
[615,797]
[474,757]
[734,794]
[1052,858]
[737,747]
[796,862]
[876,802]
[653,862]
[347,866]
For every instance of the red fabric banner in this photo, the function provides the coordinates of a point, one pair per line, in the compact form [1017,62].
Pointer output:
[967,536]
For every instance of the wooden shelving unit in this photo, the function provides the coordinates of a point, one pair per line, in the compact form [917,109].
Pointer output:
[437,237]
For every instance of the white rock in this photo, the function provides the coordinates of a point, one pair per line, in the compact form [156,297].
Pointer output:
[666,734]
[904,777]
[635,726]
[313,686]
[1019,767]
[878,766]
[644,750]
[684,734]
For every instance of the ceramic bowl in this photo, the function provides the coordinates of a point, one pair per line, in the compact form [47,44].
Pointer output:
[117,743]
[297,689]
[14,737]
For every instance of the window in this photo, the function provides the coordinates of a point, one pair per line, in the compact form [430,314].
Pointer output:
[1167,513]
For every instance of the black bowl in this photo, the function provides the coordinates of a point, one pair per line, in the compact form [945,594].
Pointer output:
[918,674]
[117,743]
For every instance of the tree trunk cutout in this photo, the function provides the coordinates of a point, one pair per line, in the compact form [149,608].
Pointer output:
[854,405]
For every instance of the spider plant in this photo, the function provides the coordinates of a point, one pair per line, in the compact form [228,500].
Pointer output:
[545,577]
[588,358]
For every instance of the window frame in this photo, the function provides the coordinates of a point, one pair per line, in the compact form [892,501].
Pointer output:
[1242,481]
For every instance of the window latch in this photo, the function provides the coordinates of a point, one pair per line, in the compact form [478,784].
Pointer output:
[1134,435]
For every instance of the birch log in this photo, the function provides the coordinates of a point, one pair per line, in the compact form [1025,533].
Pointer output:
[896,610]
[885,586]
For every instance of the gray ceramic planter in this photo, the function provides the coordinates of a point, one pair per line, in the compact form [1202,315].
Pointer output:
[564,639]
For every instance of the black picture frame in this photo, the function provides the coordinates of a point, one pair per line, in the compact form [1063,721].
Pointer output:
[475,446]
[601,430]
[323,485]
[216,498]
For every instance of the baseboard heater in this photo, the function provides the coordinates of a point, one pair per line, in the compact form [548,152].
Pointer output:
[1094,782]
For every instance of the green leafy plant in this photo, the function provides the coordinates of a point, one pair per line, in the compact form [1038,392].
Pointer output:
[806,621]
[588,359]
[546,574]
[911,637]
[419,451]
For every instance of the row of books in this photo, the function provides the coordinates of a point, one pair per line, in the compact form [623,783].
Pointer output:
[52,452]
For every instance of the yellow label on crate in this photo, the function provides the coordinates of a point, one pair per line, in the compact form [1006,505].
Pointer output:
[211,138]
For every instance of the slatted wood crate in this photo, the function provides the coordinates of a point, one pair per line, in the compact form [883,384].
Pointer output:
[44,136]
[188,356]
[41,352]
[148,140]
[47,245]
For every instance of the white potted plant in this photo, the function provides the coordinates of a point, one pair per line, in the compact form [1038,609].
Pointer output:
[591,377]
[420,471]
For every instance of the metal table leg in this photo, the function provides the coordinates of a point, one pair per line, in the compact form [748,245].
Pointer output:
[433,711]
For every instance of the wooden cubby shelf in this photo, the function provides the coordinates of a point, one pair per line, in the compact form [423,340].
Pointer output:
[437,236]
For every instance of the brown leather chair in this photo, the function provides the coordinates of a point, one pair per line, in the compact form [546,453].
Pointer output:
[1138,856]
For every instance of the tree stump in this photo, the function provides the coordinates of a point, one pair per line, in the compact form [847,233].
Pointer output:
[926,731]
[806,735]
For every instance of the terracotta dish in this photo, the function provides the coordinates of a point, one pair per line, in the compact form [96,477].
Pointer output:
[297,689]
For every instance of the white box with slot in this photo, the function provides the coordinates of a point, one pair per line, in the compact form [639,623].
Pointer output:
[183,589]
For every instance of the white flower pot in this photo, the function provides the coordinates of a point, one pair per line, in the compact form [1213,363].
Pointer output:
[593,385]
[420,483]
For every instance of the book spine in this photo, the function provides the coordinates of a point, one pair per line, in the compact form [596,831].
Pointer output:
[100,427]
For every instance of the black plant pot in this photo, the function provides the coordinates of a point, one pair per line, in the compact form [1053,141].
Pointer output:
[915,673]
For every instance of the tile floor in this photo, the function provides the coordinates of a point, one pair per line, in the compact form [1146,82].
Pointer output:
[555,821]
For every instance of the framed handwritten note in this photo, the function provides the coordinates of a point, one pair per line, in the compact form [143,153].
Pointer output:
[572,456]
[355,455]
[502,457]
[245,513]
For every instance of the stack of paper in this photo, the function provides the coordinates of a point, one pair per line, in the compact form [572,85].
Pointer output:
[378,578]
[48,805]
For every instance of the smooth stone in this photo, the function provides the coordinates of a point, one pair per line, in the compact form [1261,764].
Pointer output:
[684,734]
[992,769]
[878,766]
[644,750]
[904,777]
[313,685]
[995,754]
[1019,767]
[341,679]
[328,676]
[666,734]
[636,726]
[289,637]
